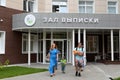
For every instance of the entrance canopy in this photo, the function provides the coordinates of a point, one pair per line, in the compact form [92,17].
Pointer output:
[56,21]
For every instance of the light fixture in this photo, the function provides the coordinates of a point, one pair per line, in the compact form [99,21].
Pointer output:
[1,20]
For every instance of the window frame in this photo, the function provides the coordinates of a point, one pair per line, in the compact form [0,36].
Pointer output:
[2,40]
[116,7]
[85,6]
[3,2]
[59,4]
[93,43]
[27,7]
[116,40]
[32,41]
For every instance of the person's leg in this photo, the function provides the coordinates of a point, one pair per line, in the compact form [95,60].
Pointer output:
[51,70]
[82,64]
[54,70]
[79,68]
[76,68]
[61,67]
[64,69]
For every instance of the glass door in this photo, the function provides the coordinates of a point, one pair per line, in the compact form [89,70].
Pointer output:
[40,51]
[60,47]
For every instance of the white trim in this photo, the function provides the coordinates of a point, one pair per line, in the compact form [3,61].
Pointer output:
[115,6]
[2,42]
[34,51]
[73,43]
[44,47]
[84,37]
[29,44]
[93,6]
[112,46]
[3,2]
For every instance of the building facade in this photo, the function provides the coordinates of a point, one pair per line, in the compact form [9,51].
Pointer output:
[95,23]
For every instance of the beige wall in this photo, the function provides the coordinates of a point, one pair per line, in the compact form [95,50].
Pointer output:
[15,4]
[46,5]
[73,6]
[41,5]
[100,6]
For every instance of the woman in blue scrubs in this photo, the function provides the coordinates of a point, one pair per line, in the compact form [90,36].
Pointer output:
[53,59]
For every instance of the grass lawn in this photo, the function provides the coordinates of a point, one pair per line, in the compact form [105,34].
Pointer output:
[17,70]
[117,78]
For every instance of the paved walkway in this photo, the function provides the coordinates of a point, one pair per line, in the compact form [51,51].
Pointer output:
[93,71]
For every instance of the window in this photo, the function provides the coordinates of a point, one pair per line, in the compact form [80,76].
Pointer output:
[116,44]
[86,6]
[59,6]
[2,42]
[3,2]
[92,44]
[112,7]
[25,43]
[58,35]
[29,5]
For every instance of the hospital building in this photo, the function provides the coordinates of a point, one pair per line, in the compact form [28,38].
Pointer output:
[29,27]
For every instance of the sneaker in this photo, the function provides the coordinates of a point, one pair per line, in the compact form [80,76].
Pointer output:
[63,72]
[51,75]
[76,73]
[81,69]
[79,74]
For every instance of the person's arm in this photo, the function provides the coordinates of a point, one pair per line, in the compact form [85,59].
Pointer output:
[48,55]
[75,51]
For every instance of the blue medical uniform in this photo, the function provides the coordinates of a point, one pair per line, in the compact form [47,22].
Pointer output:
[53,60]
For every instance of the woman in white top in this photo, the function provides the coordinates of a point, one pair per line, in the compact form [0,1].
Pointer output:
[78,53]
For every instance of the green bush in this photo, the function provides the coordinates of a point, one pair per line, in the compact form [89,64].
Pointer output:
[5,64]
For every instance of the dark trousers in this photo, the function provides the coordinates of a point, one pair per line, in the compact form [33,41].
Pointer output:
[63,68]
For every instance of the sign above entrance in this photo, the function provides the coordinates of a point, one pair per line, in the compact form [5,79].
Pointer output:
[66,21]
[29,20]
[70,20]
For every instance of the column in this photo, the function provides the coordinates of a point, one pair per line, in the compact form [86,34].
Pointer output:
[37,49]
[73,45]
[103,46]
[112,47]
[44,47]
[79,36]
[29,45]
[84,37]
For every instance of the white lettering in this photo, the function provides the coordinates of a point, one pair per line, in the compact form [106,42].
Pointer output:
[75,20]
[81,20]
[86,20]
[70,20]
[63,20]
[96,20]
